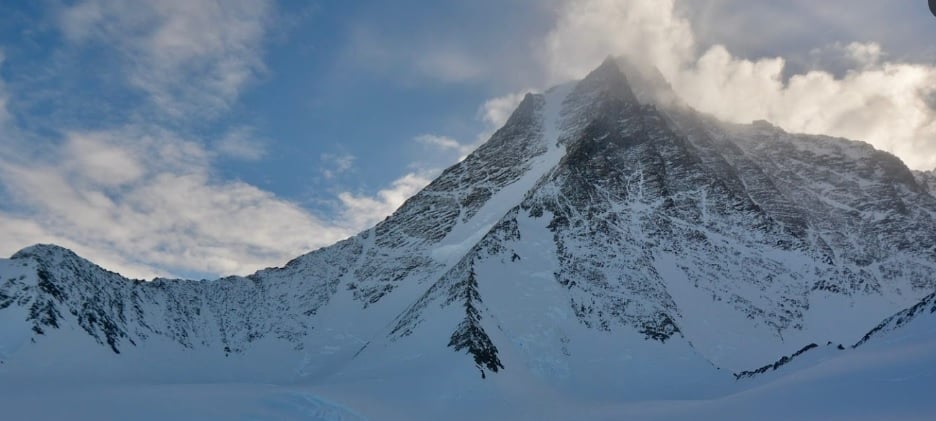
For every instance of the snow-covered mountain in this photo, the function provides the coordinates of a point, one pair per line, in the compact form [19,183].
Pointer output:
[607,244]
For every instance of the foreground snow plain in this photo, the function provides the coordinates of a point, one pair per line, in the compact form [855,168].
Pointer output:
[893,379]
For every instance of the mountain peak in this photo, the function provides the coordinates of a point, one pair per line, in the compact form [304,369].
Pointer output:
[599,221]
[609,63]
[608,79]
[44,251]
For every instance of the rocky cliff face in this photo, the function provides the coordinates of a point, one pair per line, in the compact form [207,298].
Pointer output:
[604,220]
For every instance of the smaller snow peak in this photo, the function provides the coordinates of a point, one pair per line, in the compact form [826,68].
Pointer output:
[44,252]
[49,256]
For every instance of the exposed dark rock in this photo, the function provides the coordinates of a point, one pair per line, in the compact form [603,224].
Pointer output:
[773,367]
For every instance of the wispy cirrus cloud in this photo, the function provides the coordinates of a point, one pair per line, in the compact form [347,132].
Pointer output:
[332,165]
[192,58]
[242,144]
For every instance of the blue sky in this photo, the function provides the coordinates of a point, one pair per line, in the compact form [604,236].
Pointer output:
[216,137]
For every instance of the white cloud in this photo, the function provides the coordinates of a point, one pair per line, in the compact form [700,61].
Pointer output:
[884,103]
[867,54]
[167,210]
[587,31]
[441,142]
[95,157]
[18,230]
[152,207]
[192,58]
[495,111]
[240,143]
[448,144]
[144,198]
[361,211]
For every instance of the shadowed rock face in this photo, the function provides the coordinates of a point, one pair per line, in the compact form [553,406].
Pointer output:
[647,206]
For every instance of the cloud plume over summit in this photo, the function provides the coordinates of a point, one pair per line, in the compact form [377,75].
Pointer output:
[890,104]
